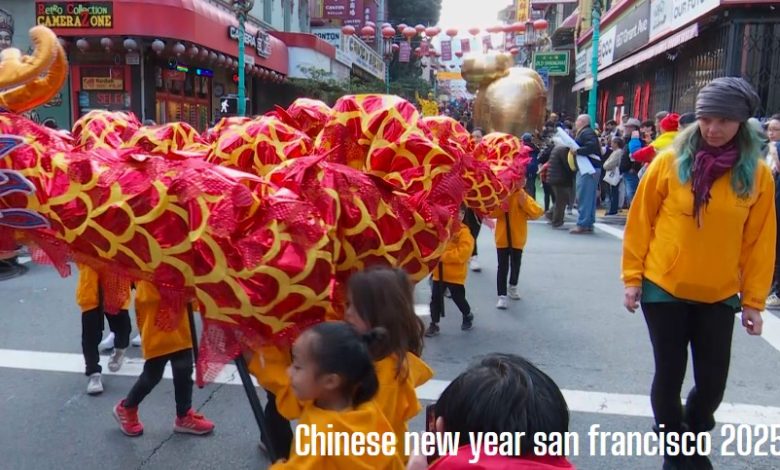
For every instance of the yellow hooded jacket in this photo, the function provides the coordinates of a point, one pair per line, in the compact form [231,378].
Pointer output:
[522,207]
[727,254]
[455,258]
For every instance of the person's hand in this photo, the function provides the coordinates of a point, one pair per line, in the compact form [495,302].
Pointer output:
[752,321]
[631,298]
[417,462]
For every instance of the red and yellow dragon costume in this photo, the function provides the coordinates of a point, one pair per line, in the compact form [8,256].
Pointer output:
[260,220]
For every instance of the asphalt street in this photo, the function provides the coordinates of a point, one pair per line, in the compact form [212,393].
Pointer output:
[570,322]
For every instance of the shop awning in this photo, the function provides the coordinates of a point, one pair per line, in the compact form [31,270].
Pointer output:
[194,21]
[637,58]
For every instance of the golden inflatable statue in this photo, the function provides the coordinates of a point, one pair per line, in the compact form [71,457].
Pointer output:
[509,99]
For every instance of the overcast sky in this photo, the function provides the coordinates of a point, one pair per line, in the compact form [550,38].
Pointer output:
[463,14]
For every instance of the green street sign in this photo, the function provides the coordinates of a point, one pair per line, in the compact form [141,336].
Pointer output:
[556,63]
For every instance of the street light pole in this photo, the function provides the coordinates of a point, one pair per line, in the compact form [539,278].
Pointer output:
[241,8]
[594,65]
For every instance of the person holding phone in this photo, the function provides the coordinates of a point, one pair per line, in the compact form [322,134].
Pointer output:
[697,249]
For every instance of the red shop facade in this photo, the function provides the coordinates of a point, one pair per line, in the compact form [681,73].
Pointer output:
[164,60]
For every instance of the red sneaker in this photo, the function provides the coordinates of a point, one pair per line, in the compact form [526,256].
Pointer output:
[193,423]
[128,419]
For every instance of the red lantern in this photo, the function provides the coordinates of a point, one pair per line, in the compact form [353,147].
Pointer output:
[517,27]
[431,32]
[493,29]
[419,28]
[473,31]
[452,32]
[418,52]
[514,51]
[409,32]
[401,27]
[458,53]
[386,25]
[388,32]
[396,48]
[371,23]
[348,30]
[367,31]
[540,25]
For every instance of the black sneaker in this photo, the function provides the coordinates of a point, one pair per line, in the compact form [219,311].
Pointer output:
[468,322]
[433,330]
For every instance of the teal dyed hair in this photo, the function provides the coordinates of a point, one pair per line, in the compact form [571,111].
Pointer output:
[743,175]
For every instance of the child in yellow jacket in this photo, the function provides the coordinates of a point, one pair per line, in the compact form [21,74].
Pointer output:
[328,386]
[450,274]
[511,235]
[158,348]
[89,296]
[382,297]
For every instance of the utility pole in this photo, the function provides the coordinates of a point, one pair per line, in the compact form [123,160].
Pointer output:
[242,8]
[594,65]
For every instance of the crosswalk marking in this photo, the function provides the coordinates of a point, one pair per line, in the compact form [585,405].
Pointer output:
[578,400]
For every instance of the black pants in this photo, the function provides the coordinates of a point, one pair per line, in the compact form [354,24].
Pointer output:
[474,224]
[549,196]
[509,260]
[458,292]
[92,333]
[708,330]
[280,434]
[562,198]
[181,365]
[530,186]
[614,199]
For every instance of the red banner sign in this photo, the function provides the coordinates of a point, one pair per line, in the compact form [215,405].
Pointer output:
[446,50]
[405,52]
[465,45]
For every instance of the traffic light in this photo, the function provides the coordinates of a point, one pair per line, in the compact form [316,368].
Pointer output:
[228,105]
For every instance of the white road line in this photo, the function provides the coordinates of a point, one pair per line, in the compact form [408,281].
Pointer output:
[422,310]
[578,400]
[609,229]
[24,259]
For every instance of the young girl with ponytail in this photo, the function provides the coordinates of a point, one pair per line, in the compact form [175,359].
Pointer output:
[328,387]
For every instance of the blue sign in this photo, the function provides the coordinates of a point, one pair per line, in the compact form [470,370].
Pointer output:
[545,74]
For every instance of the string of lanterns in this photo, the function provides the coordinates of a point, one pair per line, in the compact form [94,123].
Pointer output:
[178,49]
[428,33]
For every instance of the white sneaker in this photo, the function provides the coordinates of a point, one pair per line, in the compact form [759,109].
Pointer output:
[95,385]
[136,341]
[773,302]
[513,293]
[474,264]
[503,303]
[107,344]
[117,359]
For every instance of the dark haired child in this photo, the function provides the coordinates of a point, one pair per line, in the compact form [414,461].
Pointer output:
[511,235]
[329,383]
[502,393]
[450,274]
[384,298]
[158,348]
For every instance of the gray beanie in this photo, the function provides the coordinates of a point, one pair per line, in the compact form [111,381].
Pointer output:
[727,97]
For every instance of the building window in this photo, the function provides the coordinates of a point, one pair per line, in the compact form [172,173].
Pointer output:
[268,11]
[303,15]
[287,7]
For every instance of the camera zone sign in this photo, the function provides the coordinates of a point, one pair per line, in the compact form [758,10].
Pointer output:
[75,15]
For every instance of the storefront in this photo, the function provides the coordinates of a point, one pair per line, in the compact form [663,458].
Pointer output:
[165,61]
[661,67]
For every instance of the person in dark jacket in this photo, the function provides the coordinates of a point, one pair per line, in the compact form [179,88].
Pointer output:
[533,166]
[587,181]
[628,167]
[559,176]
[544,158]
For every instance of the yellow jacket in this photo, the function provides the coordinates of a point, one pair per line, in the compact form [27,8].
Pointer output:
[87,288]
[456,257]
[728,254]
[157,342]
[522,207]
[397,397]
[270,369]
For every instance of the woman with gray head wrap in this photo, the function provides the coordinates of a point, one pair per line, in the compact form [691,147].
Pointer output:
[695,252]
